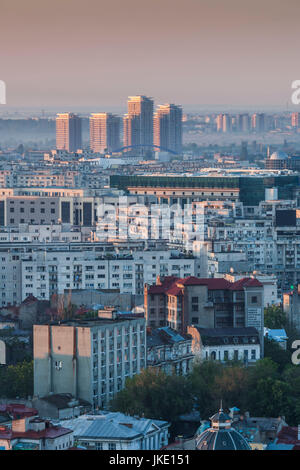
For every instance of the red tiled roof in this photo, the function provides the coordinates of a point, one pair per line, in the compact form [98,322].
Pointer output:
[166,283]
[211,283]
[245,282]
[288,435]
[174,290]
[17,410]
[48,433]
[156,289]
[172,285]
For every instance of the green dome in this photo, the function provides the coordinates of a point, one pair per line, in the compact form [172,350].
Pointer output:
[221,435]
[222,439]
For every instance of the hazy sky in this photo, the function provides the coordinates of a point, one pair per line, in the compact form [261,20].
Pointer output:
[97,52]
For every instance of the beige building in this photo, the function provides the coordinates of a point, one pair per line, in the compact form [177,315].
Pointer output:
[104,132]
[167,125]
[205,303]
[89,359]
[138,123]
[68,132]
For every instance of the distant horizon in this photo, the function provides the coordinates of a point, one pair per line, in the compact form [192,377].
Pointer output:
[74,53]
[187,109]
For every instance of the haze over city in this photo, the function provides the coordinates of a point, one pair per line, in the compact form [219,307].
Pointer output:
[199,53]
[149,228]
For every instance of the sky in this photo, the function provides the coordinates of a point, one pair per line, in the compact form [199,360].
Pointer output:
[96,53]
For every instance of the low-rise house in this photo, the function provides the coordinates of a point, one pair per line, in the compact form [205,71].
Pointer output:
[34,433]
[60,406]
[288,438]
[169,351]
[11,411]
[224,344]
[258,431]
[117,431]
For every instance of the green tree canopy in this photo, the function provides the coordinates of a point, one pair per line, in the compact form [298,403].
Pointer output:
[17,380]
[154,394]
[275,317]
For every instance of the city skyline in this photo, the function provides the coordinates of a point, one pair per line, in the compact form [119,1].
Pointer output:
[193,53]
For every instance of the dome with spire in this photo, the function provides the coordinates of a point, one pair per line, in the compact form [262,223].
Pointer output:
[221,435]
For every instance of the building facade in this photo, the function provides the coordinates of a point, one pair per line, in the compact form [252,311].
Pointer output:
[89,359]
[68,132]
[138,123]
[168,127]
[104,132]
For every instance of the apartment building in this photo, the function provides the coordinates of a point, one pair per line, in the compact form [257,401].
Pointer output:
[138,123]
[206,303]
[104,132]
[90,359]
[68,132]
[79,207]
[48,273]
[167,124]
[269,239]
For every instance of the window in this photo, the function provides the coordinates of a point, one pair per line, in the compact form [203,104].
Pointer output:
[112,446]
[58,365]
[254,299]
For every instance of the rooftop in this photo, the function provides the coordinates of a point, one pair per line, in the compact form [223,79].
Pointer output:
[111,425]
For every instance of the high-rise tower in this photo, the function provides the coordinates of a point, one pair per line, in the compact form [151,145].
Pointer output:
[138,123]
[104,132]
[168,127]
[68,132]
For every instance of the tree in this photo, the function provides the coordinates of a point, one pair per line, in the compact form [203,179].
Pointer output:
[232,386]
[17,380]
[275,352]
[212,381]
[202,382]
[269,398]
[154,394]
[275,317]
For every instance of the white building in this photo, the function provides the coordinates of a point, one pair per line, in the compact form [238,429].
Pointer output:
[223,344]
[117,431]
[46,273]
